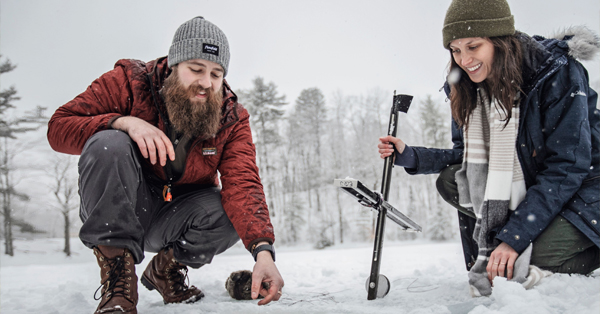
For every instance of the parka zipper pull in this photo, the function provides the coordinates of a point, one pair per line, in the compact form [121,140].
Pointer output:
[167,193]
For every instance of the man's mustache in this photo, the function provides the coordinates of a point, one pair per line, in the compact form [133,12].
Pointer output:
[196,89]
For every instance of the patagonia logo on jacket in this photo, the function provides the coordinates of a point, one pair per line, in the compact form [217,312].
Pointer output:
[209,151]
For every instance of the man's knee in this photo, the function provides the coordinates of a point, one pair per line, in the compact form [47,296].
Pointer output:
[107,152]
[105,144]
[199,245]
[197,228]
[214,224]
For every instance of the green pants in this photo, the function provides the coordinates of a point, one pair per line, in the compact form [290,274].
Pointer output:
[560,248]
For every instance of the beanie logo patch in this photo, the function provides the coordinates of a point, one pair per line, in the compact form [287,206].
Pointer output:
[210,49]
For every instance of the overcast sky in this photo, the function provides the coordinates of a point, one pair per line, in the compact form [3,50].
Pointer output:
[60,46]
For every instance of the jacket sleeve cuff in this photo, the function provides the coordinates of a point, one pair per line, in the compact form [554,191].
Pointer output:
[517,242]
[415,168]
[407,158]
[253,242]
[110,122]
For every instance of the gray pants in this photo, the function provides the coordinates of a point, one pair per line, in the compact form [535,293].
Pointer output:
[121,207]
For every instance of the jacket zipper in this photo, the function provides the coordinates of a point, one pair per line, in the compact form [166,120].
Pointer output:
[167,196]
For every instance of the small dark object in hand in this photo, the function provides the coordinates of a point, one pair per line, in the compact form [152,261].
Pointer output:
[239,285]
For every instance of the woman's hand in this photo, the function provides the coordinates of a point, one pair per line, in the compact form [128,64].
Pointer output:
[502,259]
[386,146]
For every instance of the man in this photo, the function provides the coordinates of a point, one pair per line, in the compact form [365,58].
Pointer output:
[152,137]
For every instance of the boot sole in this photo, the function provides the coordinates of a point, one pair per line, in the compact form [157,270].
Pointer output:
[147,283]
[151,287]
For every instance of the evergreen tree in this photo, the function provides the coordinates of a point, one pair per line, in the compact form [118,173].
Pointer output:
[266,111]
[294,221]
[305,138]
[308,126]
[435,127]
[9,128]
[433,124]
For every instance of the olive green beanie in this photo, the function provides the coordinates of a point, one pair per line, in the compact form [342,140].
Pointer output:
[477,18]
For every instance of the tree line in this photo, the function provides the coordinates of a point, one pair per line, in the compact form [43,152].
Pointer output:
[301,147]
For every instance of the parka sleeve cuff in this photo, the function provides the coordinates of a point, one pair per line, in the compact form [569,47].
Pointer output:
[517,242]
[414,169]
[253,242]
[407,158]
[110,122]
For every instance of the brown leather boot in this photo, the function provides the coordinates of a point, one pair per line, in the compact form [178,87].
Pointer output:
[168,277]
[118,281]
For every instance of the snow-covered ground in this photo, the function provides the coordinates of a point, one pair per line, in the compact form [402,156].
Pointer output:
[426,277]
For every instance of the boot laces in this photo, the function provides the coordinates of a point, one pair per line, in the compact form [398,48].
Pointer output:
[116,284]
[178,274]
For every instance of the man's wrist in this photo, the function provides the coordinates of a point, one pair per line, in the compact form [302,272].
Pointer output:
[118,123]
[261,247]
[111,122]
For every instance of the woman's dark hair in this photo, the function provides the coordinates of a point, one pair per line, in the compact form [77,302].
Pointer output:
[503,83]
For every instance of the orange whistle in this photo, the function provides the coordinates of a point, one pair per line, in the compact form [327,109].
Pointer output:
[167,194]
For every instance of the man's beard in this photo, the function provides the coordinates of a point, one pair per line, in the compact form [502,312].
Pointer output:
[192,117]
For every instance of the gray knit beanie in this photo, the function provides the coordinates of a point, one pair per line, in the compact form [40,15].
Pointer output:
[477,18]
[199,39]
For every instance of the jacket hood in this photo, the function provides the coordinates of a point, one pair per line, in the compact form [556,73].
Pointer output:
[540,54]
[583,43]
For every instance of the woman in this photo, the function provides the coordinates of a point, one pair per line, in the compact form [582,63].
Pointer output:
[525,173]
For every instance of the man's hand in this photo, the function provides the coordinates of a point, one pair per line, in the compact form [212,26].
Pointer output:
[266,271]
[502,259]
[149,138]
[386,146]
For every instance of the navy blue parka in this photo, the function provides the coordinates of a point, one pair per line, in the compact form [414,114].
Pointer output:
[557,143]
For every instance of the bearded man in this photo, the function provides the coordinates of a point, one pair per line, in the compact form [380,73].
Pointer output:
[152,137]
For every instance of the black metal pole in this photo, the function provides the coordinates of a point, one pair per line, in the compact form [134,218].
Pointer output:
[400,103]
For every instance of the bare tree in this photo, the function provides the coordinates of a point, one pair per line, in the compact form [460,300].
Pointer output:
[339,152]
[64,189]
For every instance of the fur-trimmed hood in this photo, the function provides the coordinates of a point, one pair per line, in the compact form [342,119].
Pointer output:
[542,55]
[583,43]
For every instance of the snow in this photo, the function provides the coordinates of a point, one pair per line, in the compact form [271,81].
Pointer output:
[427,277]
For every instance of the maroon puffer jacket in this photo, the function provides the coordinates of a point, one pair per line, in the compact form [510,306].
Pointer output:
[128,90]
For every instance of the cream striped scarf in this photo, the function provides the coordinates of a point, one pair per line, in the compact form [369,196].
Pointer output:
[490,182]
